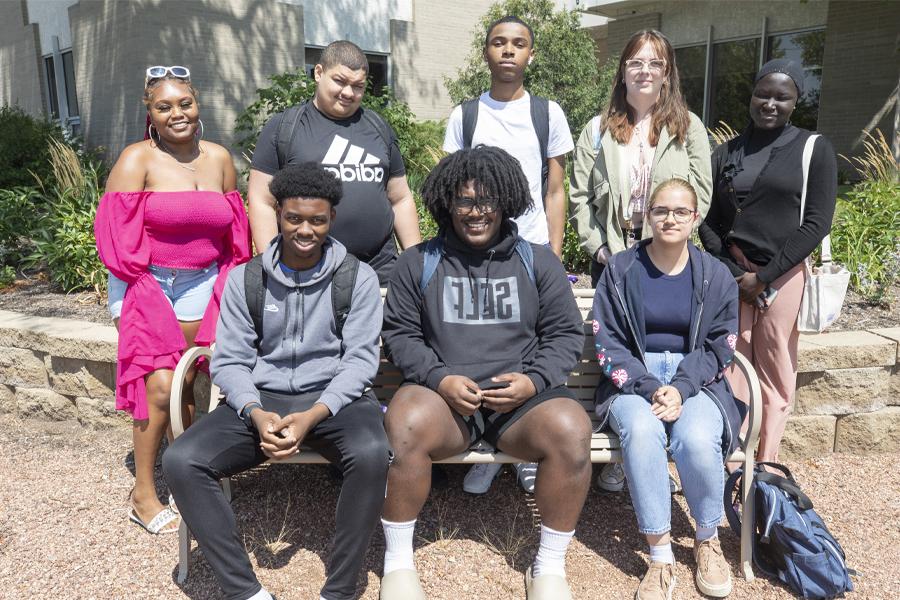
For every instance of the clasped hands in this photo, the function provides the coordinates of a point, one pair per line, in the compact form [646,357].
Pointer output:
[281,437]
[465,397]
[666,404]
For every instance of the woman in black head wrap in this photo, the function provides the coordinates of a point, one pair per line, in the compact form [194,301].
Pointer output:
[755,227]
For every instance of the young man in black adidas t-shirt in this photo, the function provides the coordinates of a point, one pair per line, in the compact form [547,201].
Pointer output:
[294,370]
[354,144]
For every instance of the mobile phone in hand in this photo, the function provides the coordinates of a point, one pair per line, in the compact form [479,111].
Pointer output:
[766,298]
[489,384]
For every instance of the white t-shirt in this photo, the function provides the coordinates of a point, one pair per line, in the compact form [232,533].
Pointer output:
[508,125]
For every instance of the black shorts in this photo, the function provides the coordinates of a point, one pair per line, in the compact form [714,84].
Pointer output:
[486,425]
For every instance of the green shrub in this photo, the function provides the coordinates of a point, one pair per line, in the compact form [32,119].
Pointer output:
[23,148]
[64,240]
[866,238]
[7,276]
[20,210]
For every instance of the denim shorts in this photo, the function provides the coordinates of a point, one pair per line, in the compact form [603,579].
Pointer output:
[188,290]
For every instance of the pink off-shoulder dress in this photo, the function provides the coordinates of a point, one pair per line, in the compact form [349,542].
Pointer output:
[191,229]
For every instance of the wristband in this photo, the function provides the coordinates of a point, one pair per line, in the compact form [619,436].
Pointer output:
[244,414]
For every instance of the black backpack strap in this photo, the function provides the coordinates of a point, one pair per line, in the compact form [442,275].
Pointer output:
[788,486]
[732,496]
[385,132]
[286,130]
[540,120]
[255,279]
[469,120]
[342,283]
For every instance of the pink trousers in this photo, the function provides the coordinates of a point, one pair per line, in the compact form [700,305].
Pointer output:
[768,338]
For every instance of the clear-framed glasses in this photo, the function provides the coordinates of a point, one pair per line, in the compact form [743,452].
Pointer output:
[681,215]
[161,71]
[654,65]
[463,206]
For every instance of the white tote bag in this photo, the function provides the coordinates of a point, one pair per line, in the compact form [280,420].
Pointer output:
[826,284]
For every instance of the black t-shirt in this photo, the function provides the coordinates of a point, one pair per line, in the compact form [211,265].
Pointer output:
[359,156]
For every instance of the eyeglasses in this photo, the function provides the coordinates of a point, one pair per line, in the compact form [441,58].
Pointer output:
[682,215]
[159,71]
[654,65]
[464,206]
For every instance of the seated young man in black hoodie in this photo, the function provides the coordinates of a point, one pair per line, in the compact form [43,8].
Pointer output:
[485,329]
[290,376]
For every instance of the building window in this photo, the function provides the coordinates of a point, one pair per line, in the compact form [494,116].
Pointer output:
[691,62]
[52,98]
[734,65]
[377,69]
[69,72]
[806,49]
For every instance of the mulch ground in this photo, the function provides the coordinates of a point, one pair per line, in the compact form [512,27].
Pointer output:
[64,530]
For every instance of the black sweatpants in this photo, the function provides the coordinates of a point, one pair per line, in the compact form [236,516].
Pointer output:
[221,445]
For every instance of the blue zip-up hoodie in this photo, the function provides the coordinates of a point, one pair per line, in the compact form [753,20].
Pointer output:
[299,350]
[620,338]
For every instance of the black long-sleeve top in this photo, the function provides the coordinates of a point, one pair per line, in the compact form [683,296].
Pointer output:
[764,221]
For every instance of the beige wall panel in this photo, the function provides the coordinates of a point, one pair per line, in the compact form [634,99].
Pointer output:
[21,80]
[434,45]
[229,45]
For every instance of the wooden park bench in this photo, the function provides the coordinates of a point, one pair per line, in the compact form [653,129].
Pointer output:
[583,381]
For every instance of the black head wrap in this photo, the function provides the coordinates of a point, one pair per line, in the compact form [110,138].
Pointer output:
[785,66]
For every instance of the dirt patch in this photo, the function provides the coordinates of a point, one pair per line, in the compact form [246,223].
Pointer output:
[63,527]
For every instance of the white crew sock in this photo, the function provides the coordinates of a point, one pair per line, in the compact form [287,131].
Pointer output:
[662,554]
[551,554]
[706,533]
[262,594]
[398,545]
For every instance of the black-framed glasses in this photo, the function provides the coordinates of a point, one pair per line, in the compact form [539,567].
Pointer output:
[681,215]
[654,65]
[464,206]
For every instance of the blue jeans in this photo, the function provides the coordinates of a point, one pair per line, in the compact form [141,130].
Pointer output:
[188,290]
[694,440]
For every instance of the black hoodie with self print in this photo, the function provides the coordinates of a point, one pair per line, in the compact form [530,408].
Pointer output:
[481,315]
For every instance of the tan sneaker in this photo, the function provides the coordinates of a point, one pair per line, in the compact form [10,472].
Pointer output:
[713,574]
[658,582]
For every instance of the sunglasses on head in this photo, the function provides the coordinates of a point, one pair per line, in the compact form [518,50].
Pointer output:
[159,72]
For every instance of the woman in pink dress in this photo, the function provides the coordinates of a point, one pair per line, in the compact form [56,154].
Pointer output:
[169,228]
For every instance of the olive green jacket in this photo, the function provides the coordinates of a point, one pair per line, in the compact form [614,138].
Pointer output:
[597,196]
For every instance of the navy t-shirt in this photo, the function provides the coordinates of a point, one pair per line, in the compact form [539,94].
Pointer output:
[667,306]
[359,156]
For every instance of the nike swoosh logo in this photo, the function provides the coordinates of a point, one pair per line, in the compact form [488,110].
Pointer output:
[271,308]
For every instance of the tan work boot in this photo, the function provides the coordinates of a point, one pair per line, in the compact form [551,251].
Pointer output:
[713,575]
[658,582]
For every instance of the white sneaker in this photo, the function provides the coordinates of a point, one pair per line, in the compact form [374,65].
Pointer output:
[611,478]
[480,477]
[527,476]
[673,485]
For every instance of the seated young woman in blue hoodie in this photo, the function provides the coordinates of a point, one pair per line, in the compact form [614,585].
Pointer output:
[665,328]
[485,329]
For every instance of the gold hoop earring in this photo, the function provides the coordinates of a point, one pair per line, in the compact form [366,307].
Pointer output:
[150,130]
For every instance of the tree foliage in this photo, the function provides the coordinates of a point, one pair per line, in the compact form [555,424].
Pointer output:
[565,67]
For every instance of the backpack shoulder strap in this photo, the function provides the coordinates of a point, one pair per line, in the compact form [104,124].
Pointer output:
[434,251]
[469,120]
[255,279]
[286,130]
[342,283]
[381,126]
[526,253]
[540,120]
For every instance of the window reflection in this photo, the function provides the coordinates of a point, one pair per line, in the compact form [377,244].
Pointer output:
[734,66]
[691,62]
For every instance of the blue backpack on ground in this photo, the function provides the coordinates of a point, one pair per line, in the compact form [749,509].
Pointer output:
[434,251]
[790,542]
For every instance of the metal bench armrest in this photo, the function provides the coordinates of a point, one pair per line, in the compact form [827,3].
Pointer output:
[187,361]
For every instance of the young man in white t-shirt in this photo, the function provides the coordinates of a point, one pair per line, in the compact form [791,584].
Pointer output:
[504,119]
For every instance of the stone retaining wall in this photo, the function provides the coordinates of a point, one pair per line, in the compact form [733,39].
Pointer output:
[848,389]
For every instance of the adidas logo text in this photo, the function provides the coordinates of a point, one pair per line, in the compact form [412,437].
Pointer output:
[349,167]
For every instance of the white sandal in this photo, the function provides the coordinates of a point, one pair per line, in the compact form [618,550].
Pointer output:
[157,523]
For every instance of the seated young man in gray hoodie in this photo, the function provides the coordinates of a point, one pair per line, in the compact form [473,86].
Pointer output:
[298,377]
[485,329]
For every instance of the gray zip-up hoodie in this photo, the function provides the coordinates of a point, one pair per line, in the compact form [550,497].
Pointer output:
[299,351]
